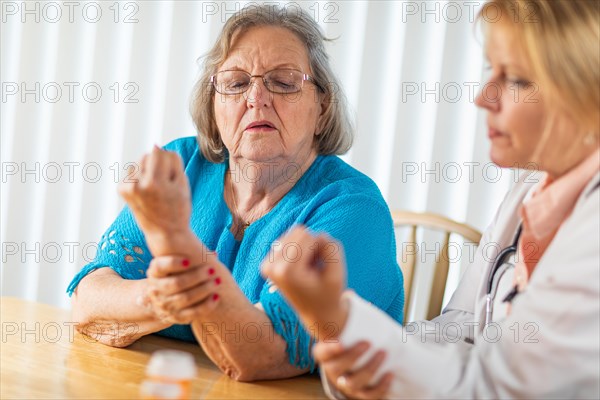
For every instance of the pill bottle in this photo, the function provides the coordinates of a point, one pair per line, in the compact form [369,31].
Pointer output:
[169,375]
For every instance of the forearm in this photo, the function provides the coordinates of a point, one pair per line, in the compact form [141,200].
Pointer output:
[239,338]
[106,308]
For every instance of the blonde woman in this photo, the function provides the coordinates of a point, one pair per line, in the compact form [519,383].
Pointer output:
[522,324]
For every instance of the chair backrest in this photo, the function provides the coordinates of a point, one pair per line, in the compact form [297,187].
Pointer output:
[440,274]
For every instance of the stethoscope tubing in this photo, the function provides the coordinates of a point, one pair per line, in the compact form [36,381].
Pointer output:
[500,258]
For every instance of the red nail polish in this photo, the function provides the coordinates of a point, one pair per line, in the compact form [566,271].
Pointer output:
[211,271]
[218,281]
[186,263]
[215,297]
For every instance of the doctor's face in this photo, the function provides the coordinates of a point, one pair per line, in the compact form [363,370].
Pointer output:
[517,117]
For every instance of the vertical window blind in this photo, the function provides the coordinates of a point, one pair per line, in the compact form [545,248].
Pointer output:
[88,87]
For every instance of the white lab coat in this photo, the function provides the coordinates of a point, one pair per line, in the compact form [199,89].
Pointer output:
[547,347]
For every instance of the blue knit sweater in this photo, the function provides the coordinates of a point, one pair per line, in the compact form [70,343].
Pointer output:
[330,197]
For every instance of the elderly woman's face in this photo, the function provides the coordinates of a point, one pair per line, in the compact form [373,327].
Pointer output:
[259,125]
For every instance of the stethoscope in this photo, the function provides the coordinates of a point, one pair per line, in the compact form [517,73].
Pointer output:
[500,260]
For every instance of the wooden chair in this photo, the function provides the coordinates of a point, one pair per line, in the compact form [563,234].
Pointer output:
[440,274]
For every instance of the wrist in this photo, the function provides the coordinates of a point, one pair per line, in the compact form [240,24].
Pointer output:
[341,317]
[163,243]
[331,323]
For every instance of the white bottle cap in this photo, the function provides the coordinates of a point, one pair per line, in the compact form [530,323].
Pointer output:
[174,364]
[157,390]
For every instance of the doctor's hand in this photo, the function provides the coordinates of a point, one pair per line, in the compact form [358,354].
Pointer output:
[338,364]
[310,272]
[158,195]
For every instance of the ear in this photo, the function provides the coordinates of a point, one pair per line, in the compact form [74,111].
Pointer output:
[325,104]
[325,101]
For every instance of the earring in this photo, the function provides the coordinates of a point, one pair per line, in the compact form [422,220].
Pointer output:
[590,139]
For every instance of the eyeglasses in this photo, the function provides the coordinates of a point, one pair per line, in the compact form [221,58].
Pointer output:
[281,81]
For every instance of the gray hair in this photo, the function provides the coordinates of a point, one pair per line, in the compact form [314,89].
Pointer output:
[336,130]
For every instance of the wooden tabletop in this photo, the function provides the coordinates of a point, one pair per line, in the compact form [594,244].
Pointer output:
[43,357]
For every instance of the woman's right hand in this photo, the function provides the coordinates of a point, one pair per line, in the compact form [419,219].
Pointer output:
[158,194]
[179,292]
[338,364]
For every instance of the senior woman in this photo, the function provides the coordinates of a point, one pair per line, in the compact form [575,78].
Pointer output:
[183,258]
[518,326]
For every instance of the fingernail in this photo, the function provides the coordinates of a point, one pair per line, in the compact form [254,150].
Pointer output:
[215,297]
[218,281]
[211,271]
[185,263]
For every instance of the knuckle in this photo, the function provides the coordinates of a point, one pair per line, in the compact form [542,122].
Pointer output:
[199,274]
[146,186]
[162,268]
[174,284]
[277,270]
[154,265]
[203,307]
[167,285]
[373,364]
[153,295]
[184,298]
[274,258]
[177,300]
[172,260]
[198,311]
[159,306]
[152,272]
[182,316]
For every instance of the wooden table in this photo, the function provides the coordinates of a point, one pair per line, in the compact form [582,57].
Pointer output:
[42,356]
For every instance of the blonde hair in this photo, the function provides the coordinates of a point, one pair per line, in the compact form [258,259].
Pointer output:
[336,130]
[560,40]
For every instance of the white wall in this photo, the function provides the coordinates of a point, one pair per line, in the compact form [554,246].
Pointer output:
[409,68]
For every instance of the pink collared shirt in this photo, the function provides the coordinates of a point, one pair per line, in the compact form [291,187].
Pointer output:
[546,210]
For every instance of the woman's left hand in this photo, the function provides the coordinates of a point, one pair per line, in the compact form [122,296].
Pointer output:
[338,364]
[159,196]
[181,293]
[310,272]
